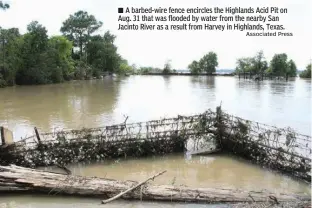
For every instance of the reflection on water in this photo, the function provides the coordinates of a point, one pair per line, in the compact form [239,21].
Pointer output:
[96,103]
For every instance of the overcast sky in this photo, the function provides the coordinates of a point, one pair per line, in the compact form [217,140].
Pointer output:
[153,48]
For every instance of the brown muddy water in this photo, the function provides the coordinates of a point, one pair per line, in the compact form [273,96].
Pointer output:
[95,103]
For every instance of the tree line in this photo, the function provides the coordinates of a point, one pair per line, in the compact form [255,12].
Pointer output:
[279,66]
[79,53]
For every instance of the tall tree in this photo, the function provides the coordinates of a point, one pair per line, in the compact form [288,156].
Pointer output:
[102,53]
[60,48]
[35,44]
[279,64]
[9,54]
[167,68]
[291,69]
[79,27]
[259,63]
[244,65]
[209,62]
[194,67]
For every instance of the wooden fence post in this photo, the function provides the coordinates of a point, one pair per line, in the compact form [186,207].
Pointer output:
[6,136]
[2,135]
[37,135]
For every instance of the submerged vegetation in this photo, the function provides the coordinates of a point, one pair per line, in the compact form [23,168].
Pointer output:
[79,53]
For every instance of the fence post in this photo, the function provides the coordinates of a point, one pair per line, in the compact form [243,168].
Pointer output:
[2,135]
[37,135]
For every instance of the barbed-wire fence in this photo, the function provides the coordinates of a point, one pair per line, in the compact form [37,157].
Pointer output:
[280,149]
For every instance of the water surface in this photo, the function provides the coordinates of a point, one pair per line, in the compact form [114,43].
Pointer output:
[95,103]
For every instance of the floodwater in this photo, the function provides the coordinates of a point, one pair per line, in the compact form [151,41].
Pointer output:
[95,103]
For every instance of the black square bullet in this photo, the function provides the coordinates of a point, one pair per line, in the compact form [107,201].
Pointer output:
[120,10]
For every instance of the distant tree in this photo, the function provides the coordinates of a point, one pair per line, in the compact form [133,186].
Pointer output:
[124,67]
[291,69]
[279,64]
[194,67]
[244,65]
[256,65]
[4,6]
[167,68]
[209,62]
[307,72]
[79,27]
[259,63]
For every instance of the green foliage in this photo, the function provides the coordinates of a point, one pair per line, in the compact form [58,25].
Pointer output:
[207,63]
[79,27]
[124,68]
[291,70]
[146,70]
[244,65]
[279,64]
[254,65]
[194,67]
[167,68]
[34,58]
[102,53]
[307,72]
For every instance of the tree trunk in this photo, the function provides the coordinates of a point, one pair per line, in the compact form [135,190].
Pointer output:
[14,178]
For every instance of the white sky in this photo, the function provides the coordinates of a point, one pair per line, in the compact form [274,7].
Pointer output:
[153,48]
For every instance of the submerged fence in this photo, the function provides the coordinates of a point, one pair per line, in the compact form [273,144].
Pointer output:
[280,149]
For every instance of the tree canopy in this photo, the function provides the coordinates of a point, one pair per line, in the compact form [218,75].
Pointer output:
[79,27]
[167,67]
[279,65]
[36,58]
[207,64]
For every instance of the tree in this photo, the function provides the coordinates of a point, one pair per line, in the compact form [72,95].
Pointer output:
[35,45]
[124,67]
[10,42]
[102,53]
[79,28]
[259,63]
[194,67]
[167,68]
[61,47]
[291,69]
[307,72]
[279,64]
[256,65]
[4,6]
[244,65]
[209,62]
